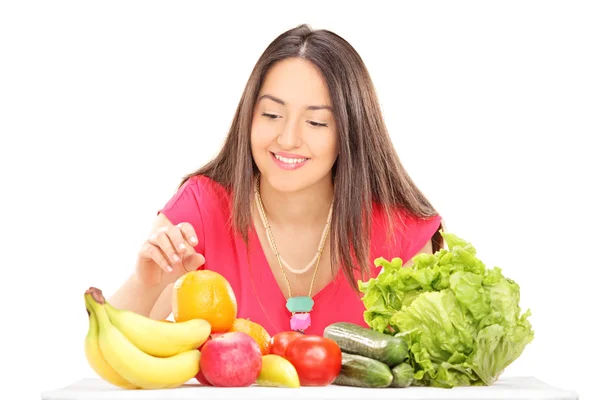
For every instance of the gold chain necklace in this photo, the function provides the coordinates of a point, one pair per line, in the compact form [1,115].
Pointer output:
[299,306]
[314,260]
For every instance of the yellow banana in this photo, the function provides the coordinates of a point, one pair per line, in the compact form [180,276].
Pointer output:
[159,338]
[94,355]
[138,367]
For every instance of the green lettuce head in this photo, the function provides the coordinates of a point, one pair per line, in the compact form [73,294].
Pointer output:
[462,321]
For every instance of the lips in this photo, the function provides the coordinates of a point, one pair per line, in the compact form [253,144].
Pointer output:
[288,163]
[290,160]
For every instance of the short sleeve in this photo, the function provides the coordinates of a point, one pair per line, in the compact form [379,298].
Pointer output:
[185,206]
[415,233]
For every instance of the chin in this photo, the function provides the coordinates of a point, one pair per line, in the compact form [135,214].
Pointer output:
[287,184]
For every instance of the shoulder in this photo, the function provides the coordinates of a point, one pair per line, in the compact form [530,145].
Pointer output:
[204,188]
[409,233]
[197,194]
[403,220]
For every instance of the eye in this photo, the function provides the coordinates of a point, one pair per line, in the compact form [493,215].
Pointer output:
[312,123]
[317,124]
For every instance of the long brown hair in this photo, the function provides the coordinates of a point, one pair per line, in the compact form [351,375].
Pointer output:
[367,169]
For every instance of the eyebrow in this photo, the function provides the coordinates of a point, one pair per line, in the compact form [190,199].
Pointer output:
[277,100]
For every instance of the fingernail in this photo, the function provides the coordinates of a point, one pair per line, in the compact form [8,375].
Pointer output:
[193,239]
[175,257]
[169,268]
[181,246]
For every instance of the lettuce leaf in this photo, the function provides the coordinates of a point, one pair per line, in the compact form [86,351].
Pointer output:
[462,321]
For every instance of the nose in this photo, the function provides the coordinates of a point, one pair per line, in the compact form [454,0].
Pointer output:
[290,137]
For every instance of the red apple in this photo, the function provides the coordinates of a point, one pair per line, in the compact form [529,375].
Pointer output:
[232,359]
[200,376]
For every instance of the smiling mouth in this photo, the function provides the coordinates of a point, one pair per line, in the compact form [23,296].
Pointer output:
[291,161]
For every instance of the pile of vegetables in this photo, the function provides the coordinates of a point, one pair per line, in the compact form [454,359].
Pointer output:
[460,321]
[370,359]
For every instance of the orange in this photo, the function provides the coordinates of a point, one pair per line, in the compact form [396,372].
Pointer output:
[206,295]
[257,332]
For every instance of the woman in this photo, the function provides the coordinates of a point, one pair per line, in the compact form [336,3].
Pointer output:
[306,192]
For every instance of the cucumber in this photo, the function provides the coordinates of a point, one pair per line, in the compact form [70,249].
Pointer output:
[403,375]
[363,372]
[355,339]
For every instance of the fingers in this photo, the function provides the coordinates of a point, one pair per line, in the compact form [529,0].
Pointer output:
[192,263]
[153,252]
[162,239]
[171,244]
[188,233]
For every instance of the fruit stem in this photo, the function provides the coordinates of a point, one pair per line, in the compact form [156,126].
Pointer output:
[96,295]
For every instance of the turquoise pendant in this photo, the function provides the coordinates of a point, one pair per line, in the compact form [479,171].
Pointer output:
[302,304]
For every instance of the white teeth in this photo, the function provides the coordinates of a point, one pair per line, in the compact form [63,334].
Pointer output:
[290,160]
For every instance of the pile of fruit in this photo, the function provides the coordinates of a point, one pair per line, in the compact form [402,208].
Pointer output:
[206,342]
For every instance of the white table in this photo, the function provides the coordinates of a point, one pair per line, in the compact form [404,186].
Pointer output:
[510,388]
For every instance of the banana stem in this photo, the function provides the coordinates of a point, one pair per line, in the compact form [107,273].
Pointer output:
[96,302]
[96,294]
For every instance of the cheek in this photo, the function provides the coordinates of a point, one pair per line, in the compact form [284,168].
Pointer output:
[260,136]
[259,143]
[325,146]
[334,147]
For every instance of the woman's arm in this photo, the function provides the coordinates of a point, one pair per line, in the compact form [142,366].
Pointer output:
[163,306]
[135,296]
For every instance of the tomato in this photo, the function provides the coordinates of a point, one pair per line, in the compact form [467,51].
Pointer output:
[317,360]
[279,342]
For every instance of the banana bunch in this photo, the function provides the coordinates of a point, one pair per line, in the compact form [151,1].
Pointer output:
[131,351]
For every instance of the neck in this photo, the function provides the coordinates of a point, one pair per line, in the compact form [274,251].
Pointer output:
[304,208]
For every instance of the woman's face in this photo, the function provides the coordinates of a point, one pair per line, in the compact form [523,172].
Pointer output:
[293,138]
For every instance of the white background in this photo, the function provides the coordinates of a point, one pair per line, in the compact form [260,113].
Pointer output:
[104,106]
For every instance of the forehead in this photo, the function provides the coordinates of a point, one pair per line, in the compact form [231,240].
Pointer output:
[297,82]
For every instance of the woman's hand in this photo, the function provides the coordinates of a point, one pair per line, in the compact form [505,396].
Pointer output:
[168,253]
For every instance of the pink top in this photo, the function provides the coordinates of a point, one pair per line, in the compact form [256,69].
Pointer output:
[206,205]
